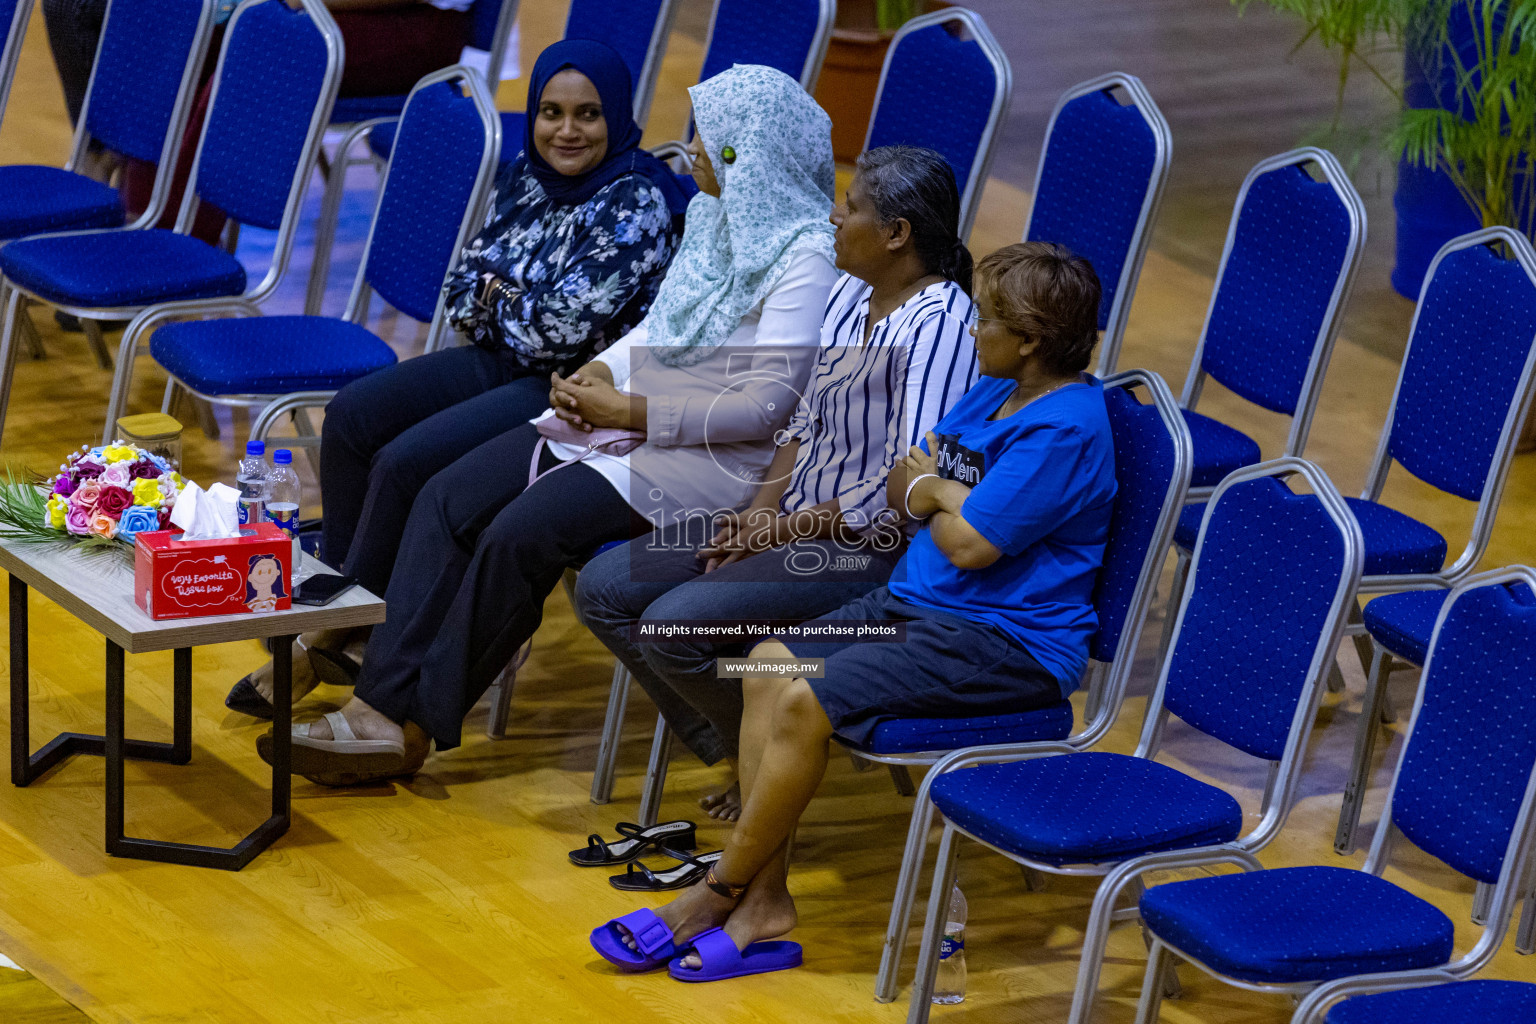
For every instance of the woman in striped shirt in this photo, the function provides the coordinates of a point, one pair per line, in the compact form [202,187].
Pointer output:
[826,525]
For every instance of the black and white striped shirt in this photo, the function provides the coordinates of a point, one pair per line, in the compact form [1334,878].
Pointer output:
[867,404]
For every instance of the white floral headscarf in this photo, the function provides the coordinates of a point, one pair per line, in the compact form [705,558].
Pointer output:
[775,197]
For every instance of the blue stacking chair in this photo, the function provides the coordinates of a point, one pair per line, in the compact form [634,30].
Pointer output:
[1098,188]
[1152,453]
[373,119]
[1272,582]
[436,187]
[1464,390]
[1460,794]
[1417,997]
[945,85]
[14,15]
[1292,249]
[272,93]
[136,103]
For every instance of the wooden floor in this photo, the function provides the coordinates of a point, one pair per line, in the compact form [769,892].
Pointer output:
[449,899]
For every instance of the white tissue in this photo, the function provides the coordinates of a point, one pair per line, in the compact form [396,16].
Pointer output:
[206,515]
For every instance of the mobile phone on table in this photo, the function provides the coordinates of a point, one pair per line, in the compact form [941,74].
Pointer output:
[322,589]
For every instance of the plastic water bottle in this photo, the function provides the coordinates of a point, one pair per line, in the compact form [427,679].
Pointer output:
[283,500]
[251,479]
[949,987]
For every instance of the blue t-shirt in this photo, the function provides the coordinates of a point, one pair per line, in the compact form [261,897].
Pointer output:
[1043,485]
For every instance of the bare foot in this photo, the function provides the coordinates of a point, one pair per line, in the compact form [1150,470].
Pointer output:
[367,723]
[697,910]
[765,912]
[724,806]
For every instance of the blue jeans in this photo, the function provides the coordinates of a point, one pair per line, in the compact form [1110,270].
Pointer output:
[659,578]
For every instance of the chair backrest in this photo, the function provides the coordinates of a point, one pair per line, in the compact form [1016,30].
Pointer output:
[490,24]
[945,85]
[1098,186]
[14,15]
[1273,576]
[637,29]
[1152,467]
[142,84]
[1292,249]
[788,35]
[433,195]
[1465,785]
[272,95]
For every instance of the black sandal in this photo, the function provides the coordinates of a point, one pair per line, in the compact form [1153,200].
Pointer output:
[639,878]
[679,835]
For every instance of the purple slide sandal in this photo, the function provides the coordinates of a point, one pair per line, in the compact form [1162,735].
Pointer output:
[650,933]
[719,958]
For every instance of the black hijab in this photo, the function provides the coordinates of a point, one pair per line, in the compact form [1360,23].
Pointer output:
[606,70]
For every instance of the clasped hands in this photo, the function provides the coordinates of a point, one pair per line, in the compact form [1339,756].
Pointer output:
[740,535]
[586,401]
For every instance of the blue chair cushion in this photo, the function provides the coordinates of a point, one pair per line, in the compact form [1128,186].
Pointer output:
[1298,924]
[1402,623]
[35,199]
[910,735]
[1086,808]
[352,109]
[1218,449]
[121,268]
[1396,544]
[1461,1002]
[268,355]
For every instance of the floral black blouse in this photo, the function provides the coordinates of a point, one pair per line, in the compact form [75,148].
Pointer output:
[581,276]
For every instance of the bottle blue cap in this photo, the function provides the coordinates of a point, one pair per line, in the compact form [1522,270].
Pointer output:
[282,457]
[255,447]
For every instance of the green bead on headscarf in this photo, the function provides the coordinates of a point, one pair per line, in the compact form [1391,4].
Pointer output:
[776,189]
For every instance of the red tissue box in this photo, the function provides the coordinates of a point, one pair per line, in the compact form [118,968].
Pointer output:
[175,578]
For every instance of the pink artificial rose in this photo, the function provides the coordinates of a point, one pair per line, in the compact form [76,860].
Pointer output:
[77,521]
[116,475]
[113,500]
[64,486]
[102,525]
[86,496]
[144,470]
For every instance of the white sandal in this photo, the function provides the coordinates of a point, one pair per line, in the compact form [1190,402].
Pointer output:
[344,759]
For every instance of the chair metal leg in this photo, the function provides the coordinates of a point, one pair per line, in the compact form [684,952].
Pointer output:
[1363,641]
[613,731]
[906,893]
[98,343]
[501,704]
[1335,678]
[1034,878]
[1482,900]
[1175,597]
[1152,984]
[29,334]
[902,779]
[1525,936]
[325,234]
[171,398]
[656,773]
[933,929]
[205,417]
[1365,747]
[122,379]
[13,310]
[860,764]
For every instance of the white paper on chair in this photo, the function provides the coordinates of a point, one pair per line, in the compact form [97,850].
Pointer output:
[206,515]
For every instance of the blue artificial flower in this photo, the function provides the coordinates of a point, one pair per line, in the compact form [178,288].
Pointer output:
[137,518]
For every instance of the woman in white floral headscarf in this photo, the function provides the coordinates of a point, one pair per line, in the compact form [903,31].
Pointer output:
[708,378]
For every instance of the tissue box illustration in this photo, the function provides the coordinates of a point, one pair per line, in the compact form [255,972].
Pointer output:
[175,578]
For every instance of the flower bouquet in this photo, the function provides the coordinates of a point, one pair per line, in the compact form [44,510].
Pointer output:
[103,496]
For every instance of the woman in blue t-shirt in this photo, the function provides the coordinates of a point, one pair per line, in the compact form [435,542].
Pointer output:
[990,608]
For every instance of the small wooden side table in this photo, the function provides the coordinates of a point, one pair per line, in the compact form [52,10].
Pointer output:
[97,588]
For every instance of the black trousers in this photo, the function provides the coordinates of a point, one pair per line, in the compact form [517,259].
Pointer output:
[481,552]
[387,434]
[74,30]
